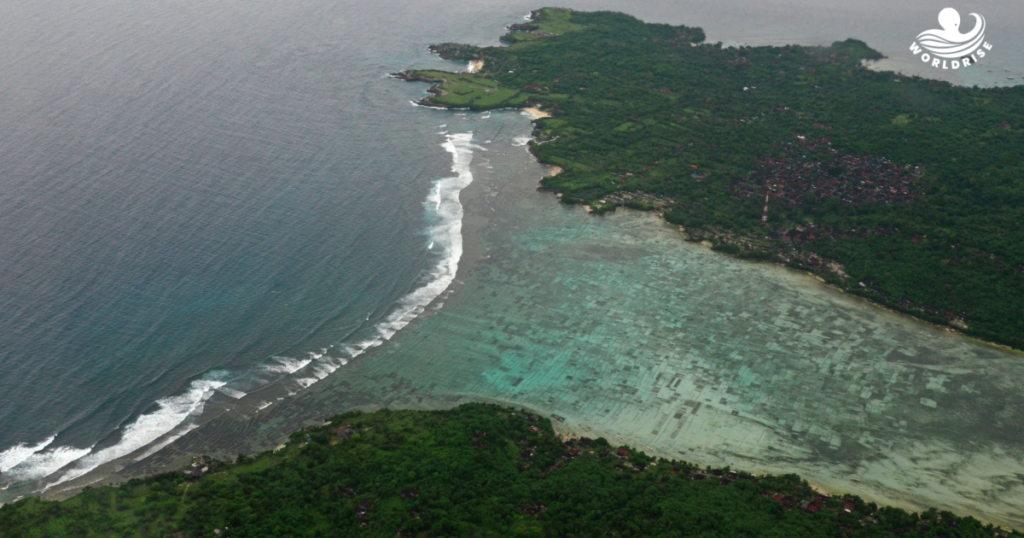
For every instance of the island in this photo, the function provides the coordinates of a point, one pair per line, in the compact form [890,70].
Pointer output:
[901,190]
[476,470]
[905,191]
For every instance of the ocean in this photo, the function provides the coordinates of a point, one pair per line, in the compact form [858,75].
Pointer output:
[206,209]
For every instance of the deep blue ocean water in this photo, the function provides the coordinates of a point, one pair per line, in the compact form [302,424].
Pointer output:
[205,197]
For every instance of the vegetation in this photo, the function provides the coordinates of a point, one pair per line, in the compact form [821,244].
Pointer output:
[463,90]
[906,191]
[478,470]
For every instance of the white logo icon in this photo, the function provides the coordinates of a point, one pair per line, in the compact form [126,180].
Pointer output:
[949,42]
[963,49]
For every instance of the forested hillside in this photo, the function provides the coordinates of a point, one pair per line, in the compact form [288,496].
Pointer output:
[904,190]
[478,470]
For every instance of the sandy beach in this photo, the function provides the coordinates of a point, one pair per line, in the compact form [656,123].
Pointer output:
[536,113]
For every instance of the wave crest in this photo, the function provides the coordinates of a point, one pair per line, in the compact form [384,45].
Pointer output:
[175,414]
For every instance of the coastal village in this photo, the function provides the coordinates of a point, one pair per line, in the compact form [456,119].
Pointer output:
[813,170]
[809,171]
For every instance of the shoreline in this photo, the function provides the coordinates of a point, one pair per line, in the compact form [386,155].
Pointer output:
[565,429]
[419,301]
[778,263]
[475,217]
[468,260]
[536,113]
[830,285]
[782,248]
[320,448]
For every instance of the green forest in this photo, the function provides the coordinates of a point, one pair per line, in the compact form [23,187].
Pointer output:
[479,470]
[907,191]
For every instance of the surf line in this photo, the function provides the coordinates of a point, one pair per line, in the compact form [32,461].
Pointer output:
[445,212]
[52,464]
[445,236]
[174,416]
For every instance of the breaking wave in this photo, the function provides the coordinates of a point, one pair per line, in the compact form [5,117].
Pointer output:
[445,210]
[169,421]
[171,413]
[17,454]
[286,365]
[175,415]
[42,464]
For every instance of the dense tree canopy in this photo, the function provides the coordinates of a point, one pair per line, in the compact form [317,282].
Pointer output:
[478,470]
[915,187]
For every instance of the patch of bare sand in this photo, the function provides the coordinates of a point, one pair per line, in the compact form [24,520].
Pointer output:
[536,113]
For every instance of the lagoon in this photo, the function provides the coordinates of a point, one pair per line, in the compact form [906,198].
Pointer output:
[618,328]
[214,199]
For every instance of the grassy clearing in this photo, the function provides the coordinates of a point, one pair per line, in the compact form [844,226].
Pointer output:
[553,21]
[465,90]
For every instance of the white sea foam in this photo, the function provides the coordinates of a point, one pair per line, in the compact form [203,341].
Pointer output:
[171,413]
[446,236]
[435,196]
[21,452]
[320,369]
[171,418]
[286,365]
[414,103]
[521,141]
[45,463]
[236,394]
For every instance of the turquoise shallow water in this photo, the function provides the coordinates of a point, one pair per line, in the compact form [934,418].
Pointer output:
[206,208]
[624,330]
[619,328]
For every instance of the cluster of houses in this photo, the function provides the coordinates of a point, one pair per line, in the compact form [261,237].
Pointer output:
[822,501]
[362,509]
[346,430]
[363,513]
[532,509]
[200,466]
[804,169]
[957,319]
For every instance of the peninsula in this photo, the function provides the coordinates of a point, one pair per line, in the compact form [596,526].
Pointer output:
[906,191]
